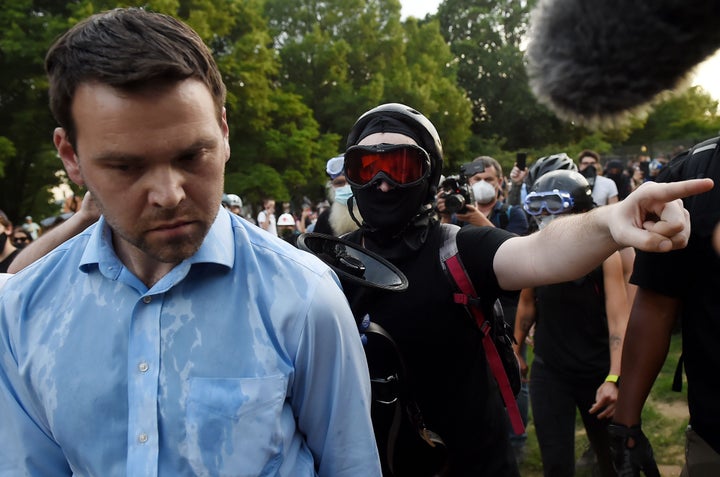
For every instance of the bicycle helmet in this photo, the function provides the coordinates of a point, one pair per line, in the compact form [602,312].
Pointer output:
[423,129]
[567,182]
[560,161]
[234,200]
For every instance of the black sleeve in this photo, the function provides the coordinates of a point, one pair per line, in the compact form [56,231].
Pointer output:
[659,271]
[477,247]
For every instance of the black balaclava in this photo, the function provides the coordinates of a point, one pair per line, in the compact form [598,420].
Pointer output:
[387,215]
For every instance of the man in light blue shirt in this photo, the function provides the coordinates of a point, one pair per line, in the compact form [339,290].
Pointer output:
[171,338]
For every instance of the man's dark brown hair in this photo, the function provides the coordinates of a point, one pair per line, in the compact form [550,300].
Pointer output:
[130,49]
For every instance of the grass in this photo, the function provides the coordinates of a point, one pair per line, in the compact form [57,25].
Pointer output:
[664,421]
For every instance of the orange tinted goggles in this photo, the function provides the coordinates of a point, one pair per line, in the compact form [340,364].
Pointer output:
[403,164]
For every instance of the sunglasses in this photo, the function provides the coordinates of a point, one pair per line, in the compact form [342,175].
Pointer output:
[21,239]
[554,202]
[403,164]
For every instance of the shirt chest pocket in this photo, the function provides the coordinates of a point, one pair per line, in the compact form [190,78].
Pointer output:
[234,425]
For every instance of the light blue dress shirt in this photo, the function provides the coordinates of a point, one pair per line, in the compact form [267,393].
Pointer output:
[244,360]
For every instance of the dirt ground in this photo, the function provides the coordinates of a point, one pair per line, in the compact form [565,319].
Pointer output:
[677,412]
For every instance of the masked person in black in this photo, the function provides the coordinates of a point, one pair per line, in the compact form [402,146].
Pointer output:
[393,163]
[8,250]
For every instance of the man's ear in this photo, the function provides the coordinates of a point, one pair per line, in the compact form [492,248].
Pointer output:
[66,151]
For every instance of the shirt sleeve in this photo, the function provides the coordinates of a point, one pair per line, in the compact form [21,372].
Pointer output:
[27,446]
[331,388]
[477,247]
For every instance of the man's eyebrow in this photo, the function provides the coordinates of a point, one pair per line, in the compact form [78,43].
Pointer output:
[189,150]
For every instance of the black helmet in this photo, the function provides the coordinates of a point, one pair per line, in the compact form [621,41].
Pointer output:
[419,124]
[560,161]
[570,182]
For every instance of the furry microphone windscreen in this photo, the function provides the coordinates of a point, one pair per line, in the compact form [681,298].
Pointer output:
[596,62]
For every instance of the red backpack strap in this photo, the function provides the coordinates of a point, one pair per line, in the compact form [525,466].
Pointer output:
[468,297]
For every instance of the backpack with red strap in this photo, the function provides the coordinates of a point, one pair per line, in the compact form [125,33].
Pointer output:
[497,337]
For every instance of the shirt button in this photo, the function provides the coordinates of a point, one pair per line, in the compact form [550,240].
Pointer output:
[142,438]
[143,367]
[147,299]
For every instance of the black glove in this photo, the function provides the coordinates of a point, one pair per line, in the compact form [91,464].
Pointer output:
[629,461]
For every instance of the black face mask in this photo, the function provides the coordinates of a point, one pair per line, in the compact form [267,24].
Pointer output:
[389,213]
[3,241]
[589,172]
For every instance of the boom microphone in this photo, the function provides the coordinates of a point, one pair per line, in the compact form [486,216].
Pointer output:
[598,61]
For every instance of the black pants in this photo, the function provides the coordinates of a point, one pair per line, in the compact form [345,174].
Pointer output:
[554,399]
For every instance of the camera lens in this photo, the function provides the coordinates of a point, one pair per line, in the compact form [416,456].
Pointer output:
[454,203]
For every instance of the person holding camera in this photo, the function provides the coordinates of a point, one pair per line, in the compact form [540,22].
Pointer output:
[393,163]
[484,178]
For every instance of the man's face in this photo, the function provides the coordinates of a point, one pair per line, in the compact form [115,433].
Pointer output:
[489,175]
[587,161]
[154,162]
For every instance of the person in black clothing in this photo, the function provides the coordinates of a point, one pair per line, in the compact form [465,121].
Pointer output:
[615,170]
[682,285]
[579,329]
[393,163]
[8,251]
[485,176]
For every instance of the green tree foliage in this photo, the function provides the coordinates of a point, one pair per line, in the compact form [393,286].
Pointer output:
[26,152]
[346,56]
[690,114]
[298,74]
[486,37]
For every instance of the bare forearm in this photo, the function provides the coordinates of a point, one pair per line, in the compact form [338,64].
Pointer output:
[524,317]
[534,260]
[651,219]
[51,239]
[616,308]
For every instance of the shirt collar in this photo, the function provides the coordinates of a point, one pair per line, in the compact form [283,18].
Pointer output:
[218,247]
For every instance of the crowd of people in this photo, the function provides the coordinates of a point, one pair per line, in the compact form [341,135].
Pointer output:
[219,348]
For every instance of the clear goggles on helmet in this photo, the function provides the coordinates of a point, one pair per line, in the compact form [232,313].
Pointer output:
[403,164]
[554,202]
[334,166]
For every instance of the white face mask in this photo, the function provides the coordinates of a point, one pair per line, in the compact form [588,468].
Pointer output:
[342,194]
[484,192]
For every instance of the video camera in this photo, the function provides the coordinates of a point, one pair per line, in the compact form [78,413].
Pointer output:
[455,189]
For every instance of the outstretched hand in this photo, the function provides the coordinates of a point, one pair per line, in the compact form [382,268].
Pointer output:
[653,218]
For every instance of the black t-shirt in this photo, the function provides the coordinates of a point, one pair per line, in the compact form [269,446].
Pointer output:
[571,334]
[322,224]
[693,276]
[8,260]
[442,350]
